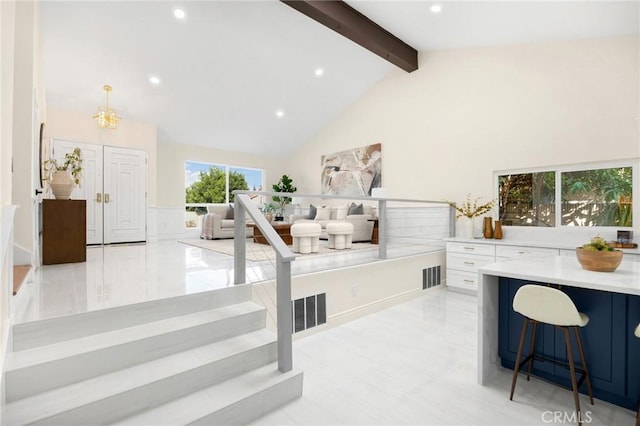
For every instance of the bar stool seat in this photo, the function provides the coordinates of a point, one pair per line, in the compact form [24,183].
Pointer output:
[542,304]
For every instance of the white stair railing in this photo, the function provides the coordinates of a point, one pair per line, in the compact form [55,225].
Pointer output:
[284,256]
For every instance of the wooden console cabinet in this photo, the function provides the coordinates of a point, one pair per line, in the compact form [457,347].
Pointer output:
[64,231]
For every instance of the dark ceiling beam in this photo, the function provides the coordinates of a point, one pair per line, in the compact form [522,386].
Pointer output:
[345,20]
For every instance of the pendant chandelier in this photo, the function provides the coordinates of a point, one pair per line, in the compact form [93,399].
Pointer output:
[106,116]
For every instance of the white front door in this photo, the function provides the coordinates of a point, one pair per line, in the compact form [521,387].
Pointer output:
[125,187]
[114,182]
[90,188]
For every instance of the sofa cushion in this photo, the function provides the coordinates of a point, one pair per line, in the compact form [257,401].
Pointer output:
[355,209]
[323,213]
[226,223]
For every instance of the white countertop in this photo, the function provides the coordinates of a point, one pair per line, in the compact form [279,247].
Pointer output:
[528,243]
[566,270]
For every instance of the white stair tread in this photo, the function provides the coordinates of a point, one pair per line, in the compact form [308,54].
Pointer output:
[199,404]
[52,330]
[48,353]
[43,405]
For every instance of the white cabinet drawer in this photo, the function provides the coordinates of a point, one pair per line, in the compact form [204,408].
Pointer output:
[467,262]
[471,248]
[513,251]
[466,280]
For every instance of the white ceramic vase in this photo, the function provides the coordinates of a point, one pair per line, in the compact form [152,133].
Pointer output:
[469,228]
[62,185]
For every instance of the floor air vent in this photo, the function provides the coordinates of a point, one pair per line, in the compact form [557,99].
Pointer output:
[431,277]
[309,311]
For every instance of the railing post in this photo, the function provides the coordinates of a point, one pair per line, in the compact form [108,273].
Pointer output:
[285,321]
[382,229]
[239,246]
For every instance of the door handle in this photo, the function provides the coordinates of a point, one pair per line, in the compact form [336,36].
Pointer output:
[99,197]
[106,198]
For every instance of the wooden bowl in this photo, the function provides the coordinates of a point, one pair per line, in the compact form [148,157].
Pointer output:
[599,261]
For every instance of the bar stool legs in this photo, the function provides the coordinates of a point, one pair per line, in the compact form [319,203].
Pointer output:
[583,360]
[529,360]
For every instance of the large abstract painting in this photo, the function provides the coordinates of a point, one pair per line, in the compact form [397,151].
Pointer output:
[352,172]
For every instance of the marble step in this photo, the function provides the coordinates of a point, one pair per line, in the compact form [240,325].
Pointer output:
[111,397]
[45,332]
[234,402]
[44,368]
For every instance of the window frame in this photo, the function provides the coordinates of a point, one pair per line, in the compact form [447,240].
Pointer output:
[634,163]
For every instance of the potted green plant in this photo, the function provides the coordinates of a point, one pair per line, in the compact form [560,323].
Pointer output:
[285,184]
[268,210]
[62,178]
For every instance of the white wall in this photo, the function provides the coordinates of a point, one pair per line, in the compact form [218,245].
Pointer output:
[172,158]
[445,128]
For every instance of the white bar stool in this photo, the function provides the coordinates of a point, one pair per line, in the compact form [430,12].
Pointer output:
[541,304]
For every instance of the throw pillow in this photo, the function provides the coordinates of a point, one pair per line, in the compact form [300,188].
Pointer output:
[340,212]
[323,213]
[355,209]
[229,212]
[312,212]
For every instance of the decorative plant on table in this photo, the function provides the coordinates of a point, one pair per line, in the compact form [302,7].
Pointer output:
[63,178]
[268,210]
[285,184]
[471,210]
[598,256]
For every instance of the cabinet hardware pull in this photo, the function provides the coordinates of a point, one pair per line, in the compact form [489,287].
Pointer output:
[468,281]
[106,198]
[469,248]
[469,263]
[99,197]
[521,252]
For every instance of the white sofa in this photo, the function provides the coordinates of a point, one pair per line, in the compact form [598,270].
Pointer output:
[218,222]
[362,223]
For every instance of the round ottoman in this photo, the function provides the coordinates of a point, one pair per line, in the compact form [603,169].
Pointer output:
[306,237]
[340,235]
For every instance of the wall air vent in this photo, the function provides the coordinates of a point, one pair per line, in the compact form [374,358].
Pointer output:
[309,312]
[431,277]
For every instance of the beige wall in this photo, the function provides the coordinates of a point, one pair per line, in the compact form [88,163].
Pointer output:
[445,128]
[79,126]
[28,110]
[7,34]
[172,158]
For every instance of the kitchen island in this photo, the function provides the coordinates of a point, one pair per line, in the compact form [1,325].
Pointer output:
[611,300]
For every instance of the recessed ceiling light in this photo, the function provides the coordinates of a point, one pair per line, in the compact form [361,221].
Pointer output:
[436,8]
[318,72]
[154,80]
[179,13]
[279,113]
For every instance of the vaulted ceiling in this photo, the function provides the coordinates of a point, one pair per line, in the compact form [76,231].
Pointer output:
[229,67]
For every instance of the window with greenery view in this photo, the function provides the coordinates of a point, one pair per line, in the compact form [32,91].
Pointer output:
[568,197]
[207,183]
[601,197]
[527,199]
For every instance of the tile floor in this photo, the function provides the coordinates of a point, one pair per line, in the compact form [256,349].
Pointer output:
[411,364]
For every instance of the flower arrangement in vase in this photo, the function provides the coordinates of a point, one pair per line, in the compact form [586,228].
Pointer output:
[63,178]
[471,210]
